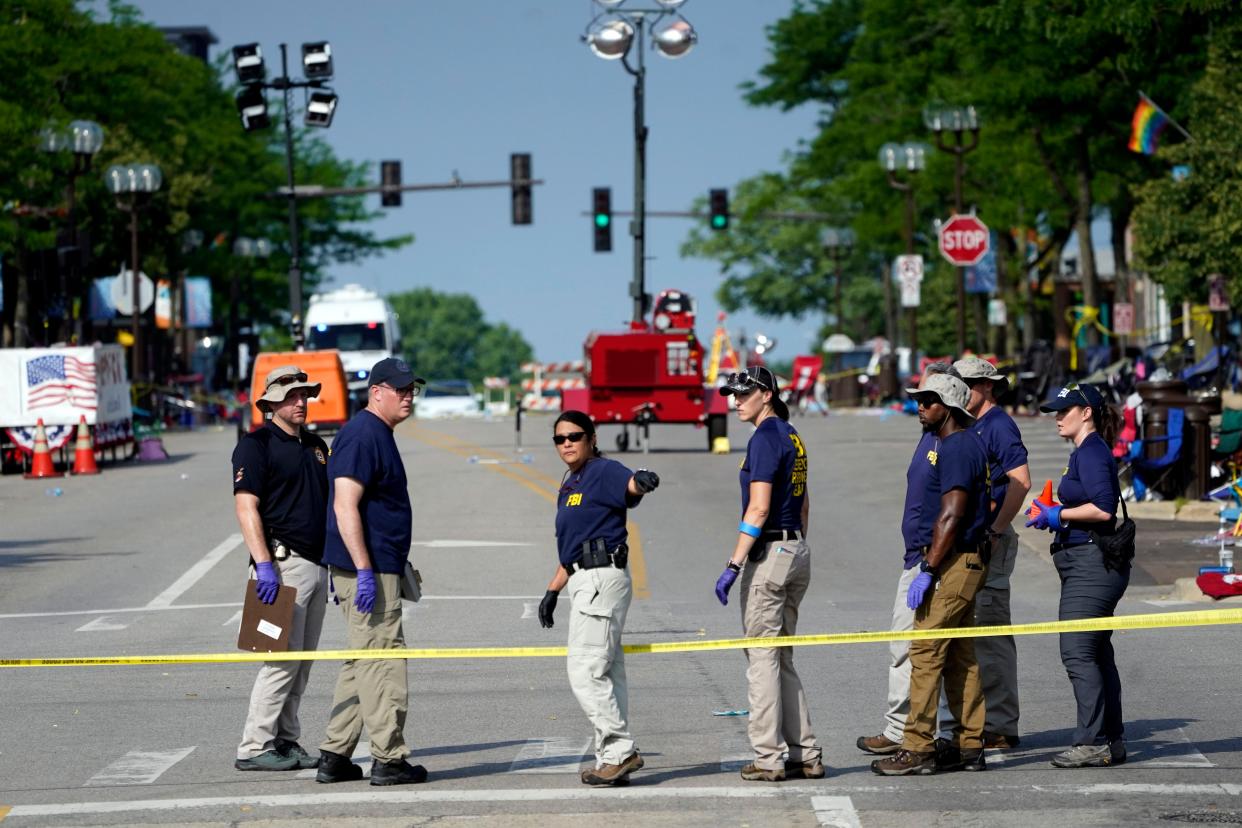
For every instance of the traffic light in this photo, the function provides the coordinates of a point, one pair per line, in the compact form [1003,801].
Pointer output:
[390,176]
[519,170]
[601,199]
[720,209]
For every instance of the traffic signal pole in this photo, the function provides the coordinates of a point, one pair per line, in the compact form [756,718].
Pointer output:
[638,225]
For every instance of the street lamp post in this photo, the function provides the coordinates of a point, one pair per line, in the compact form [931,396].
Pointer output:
[84,139]
[959,121]
[911,158]
[610,36]
[838,242]
[138,182]
[249,249]
[317,66]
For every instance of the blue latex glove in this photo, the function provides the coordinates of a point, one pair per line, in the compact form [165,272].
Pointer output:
[364,598]
[1048,517]
[724,583]
[267,584]
[918,590]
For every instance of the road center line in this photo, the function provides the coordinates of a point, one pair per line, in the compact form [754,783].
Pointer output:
[138,767]
[835,811]
[195,573]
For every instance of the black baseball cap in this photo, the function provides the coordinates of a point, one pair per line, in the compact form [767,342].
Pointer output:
[393,371]
[1072,395]
[757,376]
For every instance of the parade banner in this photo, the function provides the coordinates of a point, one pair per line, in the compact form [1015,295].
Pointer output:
[62,385]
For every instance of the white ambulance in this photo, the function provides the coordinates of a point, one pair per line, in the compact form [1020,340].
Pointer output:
[358,323]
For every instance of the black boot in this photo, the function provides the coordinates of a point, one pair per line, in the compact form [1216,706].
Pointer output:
[333,767]
[397,772]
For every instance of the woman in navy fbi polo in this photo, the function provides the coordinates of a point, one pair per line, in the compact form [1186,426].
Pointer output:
[591,542]
[1092,580]
[774,562]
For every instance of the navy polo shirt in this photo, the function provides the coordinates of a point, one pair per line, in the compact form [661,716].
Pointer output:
[366,450]
[921,465]
[1003,442]
[776,455]
[1091,477]
[289,476]
[961,463]
[591,504]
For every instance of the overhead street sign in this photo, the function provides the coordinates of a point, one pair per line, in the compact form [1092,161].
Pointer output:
[963,240]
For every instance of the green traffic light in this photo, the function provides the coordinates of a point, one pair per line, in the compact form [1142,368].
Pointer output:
[602,219]
[720,222]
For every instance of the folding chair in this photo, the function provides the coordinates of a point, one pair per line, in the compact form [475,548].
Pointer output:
[1147,473]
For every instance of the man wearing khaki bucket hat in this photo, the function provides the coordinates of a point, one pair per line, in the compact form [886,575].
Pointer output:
[280,494]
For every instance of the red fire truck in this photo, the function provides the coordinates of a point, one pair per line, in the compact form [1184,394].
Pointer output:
[651,373]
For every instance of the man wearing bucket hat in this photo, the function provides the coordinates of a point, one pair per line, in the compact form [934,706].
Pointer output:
[368,543]
[1011,480]
[280,494]
[953,515]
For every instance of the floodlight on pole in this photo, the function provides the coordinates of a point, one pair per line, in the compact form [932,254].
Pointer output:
[610,38]
[676,39]
[320,107]
[138,182]
[962,122]
[317,60]
[252,106]
[248,63]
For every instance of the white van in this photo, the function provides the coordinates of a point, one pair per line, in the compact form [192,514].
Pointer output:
[358,323]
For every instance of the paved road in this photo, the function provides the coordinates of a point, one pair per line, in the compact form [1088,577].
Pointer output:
[146,559]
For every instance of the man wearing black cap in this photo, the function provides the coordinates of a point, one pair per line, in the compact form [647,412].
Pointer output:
[280,495]
[368,544]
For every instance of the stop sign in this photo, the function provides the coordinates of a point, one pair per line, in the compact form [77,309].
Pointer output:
[963,240]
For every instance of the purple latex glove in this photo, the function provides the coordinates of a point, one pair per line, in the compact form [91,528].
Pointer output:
[267,584]
[364,598]
[918,590]
[1048,517]
[724,583]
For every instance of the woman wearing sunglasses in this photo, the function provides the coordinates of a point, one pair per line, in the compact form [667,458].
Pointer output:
[774,562]
[1091,582]
[591,542]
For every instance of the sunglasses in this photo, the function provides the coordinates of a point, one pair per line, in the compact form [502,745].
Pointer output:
[408,391]
[573,437]
[746,378]
[289,379]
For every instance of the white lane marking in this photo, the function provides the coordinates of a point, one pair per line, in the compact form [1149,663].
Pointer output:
[836,811]
[994,756]
[104,623]
[362,756]
[1168,602]
[234,604]
[234,620]
[465,544]
[196,572]
[636,792]
[551,754]
[1175,750]
[530,609]
[735,752]
[138,767]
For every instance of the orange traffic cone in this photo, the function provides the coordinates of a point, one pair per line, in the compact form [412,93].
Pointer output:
[84,452]
[1045,496]
[42,465]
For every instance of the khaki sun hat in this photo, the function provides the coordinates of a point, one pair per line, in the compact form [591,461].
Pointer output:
[973,368]
[951,391]
[280,381]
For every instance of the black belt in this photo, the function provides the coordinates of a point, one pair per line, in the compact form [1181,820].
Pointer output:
[1057,547]
[978,549]
[776,535]
[595,554]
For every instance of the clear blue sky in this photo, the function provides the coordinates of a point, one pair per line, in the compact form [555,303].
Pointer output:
[459,84]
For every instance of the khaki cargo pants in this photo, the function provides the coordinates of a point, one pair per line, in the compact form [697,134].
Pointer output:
[374,692]
[596,663]
[951,605]
[771,590]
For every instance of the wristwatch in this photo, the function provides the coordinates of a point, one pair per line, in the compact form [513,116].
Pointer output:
[930,570]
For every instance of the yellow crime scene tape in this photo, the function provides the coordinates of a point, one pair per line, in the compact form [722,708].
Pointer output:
[1154,621]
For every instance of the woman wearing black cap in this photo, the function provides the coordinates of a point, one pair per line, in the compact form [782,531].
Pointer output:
[774,562]
[1092,582]
[591,542]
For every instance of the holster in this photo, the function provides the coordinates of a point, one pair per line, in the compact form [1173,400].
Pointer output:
[279,549]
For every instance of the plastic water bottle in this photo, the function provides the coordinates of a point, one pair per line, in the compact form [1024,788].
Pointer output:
[1226,556]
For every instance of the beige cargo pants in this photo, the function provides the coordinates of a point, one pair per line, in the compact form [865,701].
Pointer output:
[596,663]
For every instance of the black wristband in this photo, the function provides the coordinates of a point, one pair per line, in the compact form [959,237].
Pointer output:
[930,570]
[733,566]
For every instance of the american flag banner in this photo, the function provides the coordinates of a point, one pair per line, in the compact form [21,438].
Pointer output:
[59,379]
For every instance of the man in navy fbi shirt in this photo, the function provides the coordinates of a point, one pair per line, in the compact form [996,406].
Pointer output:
[280,491]
[953,516]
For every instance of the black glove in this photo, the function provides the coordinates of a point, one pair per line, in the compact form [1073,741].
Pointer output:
[646,481]
[546,607]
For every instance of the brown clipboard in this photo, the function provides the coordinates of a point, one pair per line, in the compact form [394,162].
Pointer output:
[265,627]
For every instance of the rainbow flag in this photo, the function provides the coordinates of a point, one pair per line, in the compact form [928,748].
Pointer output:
[1145,127]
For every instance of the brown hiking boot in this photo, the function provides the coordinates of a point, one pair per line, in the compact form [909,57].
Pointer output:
[805,770]
[880,745]
[752,773]
[613,774]
[1000,741]
[906,763]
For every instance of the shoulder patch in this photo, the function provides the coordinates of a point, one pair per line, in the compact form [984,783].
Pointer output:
[241,472]
[323,461]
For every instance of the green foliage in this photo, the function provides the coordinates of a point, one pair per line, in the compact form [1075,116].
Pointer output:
[444,336]
[158,106]
[1185,230]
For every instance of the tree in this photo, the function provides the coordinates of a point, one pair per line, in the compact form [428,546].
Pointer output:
[444,336]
